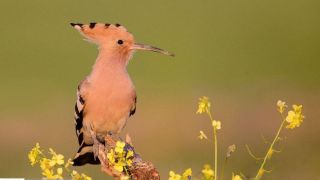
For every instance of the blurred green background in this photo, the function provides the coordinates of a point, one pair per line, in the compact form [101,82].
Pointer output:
[243,54]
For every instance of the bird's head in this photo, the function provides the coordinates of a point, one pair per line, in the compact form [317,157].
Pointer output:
[114,39]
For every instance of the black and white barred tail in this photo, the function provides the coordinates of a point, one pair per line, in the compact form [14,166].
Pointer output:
[85,152]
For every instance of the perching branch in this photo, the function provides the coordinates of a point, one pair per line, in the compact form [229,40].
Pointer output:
[139,170]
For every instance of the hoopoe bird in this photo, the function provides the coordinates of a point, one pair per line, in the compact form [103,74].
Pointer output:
[106,98]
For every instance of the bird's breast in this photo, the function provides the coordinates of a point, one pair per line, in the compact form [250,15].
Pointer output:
[108,105]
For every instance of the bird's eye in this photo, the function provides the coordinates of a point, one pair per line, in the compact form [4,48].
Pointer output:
[120,42]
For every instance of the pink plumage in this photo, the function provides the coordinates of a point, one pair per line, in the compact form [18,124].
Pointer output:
[106,97]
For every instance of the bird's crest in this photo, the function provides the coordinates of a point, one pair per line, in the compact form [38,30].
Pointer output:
[100,32]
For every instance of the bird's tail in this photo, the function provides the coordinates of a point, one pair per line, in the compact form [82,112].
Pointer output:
[85,156]
[85,153]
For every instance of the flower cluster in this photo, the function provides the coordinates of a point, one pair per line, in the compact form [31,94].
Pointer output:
[120,159]
[281,106]
[76,176]
[295,117]
[293,120]
[203,105]
[216,124]
[236,177]
[34,154]
[186,175]
[207,172]
[54,167]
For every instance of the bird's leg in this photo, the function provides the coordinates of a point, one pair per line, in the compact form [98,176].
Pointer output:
[97,145]
[99,152]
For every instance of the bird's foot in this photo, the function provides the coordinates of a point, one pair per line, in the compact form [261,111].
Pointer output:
[96,147]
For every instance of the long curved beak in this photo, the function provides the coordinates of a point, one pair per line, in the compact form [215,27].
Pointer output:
[144,47]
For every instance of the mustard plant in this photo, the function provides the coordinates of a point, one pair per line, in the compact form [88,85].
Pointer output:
[293,120]
[120,159]
[53,167]
[204,106]
[186,175]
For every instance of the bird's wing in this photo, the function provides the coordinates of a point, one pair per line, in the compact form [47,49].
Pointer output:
[85,152]
[78,115]
[133,108]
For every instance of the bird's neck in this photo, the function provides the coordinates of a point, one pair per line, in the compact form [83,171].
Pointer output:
[109,65]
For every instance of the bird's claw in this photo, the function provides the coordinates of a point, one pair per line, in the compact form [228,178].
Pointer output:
[96,147]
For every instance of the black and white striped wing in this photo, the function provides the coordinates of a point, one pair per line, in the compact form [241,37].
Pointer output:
[134,107]
[85,152]
[78,116]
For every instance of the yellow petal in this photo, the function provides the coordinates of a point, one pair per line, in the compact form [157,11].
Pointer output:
[130,154]
[59,171]
[187,173]
[118,168]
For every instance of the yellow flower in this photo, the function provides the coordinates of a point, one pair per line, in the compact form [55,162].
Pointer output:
[202,135]
[187,173]
[129,162]
[281,106]
[119,147]
[47,170]
[236,177]
[48,173]
[207,172]
[75,175]
[295,117]
[118,167]
[56,158]
[85,177]
[34,154]
[111,157]
[124,177]
[216,124]
[53,168]
[185,176]
[174,176]
[69,162]
[45,164]
[203,105]
[130,154]
[118,159]
[59,173]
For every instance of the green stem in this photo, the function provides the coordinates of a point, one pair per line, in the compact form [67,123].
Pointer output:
[215,153]
[215,147]
[223,166]
[258,176]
